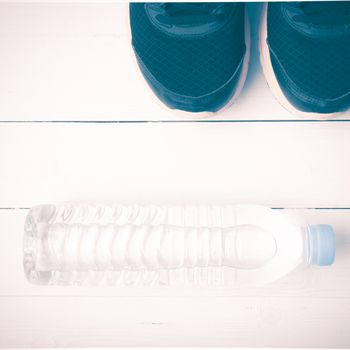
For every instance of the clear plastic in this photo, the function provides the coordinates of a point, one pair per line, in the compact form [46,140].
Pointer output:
[78,244]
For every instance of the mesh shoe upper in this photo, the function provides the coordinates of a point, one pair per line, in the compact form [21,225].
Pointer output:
[310,53]
[190,66]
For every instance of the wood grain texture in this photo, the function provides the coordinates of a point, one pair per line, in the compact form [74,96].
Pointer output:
[74,61]
[276,164]
[308,308]
[200,321]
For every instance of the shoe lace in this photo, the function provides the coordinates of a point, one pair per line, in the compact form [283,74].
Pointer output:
[189,13]
[323,12]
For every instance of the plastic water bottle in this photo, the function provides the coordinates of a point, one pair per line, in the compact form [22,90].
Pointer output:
[77,244]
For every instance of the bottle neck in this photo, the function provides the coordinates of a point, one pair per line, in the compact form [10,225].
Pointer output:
[307,248]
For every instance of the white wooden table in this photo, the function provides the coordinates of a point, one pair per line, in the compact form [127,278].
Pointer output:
[77,124]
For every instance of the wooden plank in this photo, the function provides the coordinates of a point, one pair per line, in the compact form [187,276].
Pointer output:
[276,164]
[305,310]
[201,321]
[73,61]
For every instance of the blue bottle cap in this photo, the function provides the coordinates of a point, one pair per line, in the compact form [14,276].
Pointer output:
[321,245]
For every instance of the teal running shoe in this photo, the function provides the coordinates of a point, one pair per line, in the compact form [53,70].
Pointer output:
[305,55]
[194,56]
